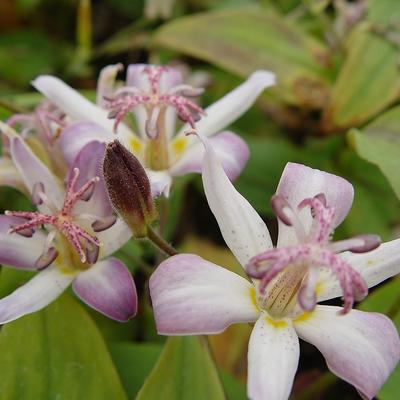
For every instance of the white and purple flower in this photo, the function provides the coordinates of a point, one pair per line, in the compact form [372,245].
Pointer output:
[68,239]
[156,96]
[192,296]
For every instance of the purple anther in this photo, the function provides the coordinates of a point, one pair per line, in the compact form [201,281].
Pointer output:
[104,223]
[37,191]
[278,204]
[46,258]
[371,242]
[91,252]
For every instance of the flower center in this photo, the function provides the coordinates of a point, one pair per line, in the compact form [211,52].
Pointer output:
[63,222]
[289,275]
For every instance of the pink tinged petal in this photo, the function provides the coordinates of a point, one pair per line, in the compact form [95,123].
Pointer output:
[160,182]
[106,82]
[76,106]
[33,171]
[9,175]
[272,359]
[361,348]
[374,266]
[16,250]
[192,296]
[41,290]
[231,150]
[89,161]
[230,107]
[108,287]
[299,182]
[244,231]
[77,135]
[113,238]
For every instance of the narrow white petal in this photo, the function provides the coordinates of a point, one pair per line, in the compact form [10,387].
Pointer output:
[272,359]
[193,296]
[360,347]
[41,290]
[242,228]
[374,266]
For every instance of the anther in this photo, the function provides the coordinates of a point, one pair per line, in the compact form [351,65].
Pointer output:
[104,223]
[371,242]
[46,258]
[279,204]
[37,192]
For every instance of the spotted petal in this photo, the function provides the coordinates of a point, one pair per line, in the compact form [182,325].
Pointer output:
[362,348]
[272,359]
[244,231]
[41,290]
[299,182]
[231,150]
[192,296]
[108,287]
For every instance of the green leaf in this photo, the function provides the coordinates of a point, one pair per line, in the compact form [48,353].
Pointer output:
[367,83]
[242,40]
[56,353]
[184,370]
[379,143]
[134,362]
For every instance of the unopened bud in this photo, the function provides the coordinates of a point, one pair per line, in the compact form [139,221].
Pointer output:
[128,188]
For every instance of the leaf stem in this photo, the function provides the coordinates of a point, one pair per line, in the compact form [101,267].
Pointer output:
[159,242]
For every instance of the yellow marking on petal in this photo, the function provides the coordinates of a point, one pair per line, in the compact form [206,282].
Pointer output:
[319,288]
[179,145]
[253,297]
[303,317]
[279,324]
[135,145]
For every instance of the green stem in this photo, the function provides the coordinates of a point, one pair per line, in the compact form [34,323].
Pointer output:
[159,242]
[12,107]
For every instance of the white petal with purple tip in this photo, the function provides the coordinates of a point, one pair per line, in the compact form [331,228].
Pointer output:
[108,287]
[192,296]
[32,171]
[36,294]
[242,228]
[231,150]
[299,182]
[361,348]
[272,359]
[16,250]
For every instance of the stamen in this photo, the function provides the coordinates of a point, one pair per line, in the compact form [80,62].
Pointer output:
[357,244]
[37,191]
[46,258]
[307,296]
[104,223]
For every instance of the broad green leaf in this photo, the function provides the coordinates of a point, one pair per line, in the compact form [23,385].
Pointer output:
[185,370]
[234,390]
[242,40]
[383,10]
[56,353]
[134,362]
[379,143]
[386,299]
[367,83]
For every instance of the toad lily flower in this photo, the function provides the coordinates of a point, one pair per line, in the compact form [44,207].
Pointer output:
[193,296]
[156,96]
[68,239]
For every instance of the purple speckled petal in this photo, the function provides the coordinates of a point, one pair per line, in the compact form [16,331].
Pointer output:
[299,182]
[16,250]
[360,347]
[108,287]
[231,150]
[41,290]
[192,296]
[272,359]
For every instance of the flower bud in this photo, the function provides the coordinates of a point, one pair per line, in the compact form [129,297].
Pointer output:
[128,188]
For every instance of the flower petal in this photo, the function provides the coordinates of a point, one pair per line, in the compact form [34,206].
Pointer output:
[75,106]
[362,348]
[41,290]
[230,107]
[272,359]
[89,161]
[77,135]
[299,182]
[16,250]
[374,266]
[113,238]
[244,231]
[32,171]
[160,182]
[9,175]
[231,149]
[192,296]
[108,287]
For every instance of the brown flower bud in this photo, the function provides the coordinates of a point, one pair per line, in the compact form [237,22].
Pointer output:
[128,188]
